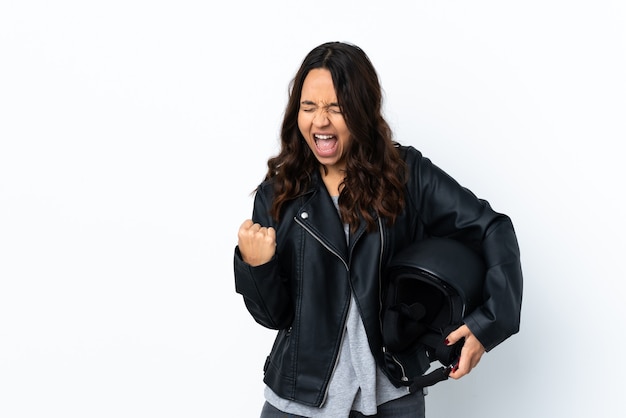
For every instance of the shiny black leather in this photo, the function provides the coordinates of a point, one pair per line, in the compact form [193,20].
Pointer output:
[304,291]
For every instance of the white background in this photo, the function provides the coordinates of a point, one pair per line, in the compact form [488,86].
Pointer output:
[133,132]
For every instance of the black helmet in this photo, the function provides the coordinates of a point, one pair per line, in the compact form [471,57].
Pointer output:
[432,285]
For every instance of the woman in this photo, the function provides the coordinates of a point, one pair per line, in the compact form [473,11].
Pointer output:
[338,201]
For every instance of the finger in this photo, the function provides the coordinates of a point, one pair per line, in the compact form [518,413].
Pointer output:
[457,334]
[460,369]
[470,357]
[267,236]
[246,225]
[271,232]
[247,232]
[464,366]
[248,229]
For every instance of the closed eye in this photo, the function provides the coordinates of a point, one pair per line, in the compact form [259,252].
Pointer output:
[335,110]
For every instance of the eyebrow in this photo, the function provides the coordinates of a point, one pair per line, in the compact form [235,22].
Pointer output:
[311,103]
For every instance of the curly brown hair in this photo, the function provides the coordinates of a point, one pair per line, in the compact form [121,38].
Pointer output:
[375,172]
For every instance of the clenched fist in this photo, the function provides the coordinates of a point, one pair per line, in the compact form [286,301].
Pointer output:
[257,244]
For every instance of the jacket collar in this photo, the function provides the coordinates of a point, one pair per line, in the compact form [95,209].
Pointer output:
[320,216]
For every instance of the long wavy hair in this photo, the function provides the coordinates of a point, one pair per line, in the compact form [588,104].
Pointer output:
[375,172]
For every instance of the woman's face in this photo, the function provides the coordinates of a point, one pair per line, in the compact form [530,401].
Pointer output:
[320,120]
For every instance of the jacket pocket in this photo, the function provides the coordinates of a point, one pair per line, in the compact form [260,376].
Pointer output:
[281,352]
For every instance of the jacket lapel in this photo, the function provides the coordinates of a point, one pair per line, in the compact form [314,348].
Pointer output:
[320,217]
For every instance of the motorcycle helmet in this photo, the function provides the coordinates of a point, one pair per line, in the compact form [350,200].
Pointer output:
[431,286]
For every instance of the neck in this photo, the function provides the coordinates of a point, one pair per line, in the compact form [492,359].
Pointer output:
[333,180]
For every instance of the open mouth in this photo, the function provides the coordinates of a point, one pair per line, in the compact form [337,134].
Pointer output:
[325,143]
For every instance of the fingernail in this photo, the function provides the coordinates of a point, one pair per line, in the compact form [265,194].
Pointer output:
[446,342]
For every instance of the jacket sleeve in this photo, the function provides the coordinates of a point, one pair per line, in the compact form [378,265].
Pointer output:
[450,210]
[265,294]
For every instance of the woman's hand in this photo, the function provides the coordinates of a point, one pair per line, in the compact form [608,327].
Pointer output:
[471,352]
[257,244]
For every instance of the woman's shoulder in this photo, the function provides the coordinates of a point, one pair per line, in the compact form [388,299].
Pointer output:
[266,187]
[409,153]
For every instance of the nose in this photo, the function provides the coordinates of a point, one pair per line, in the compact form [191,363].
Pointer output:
[321,118]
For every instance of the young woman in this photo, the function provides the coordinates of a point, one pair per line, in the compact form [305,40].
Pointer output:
[338,201]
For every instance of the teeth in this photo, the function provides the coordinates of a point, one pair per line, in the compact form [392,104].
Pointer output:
[324,136]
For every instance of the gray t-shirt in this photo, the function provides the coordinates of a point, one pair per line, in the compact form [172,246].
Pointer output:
[356,384]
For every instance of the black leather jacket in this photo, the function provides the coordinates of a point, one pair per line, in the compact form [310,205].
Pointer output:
[304,291]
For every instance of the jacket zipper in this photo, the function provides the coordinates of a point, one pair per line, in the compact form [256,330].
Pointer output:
[380,295]
[322,242]
[343,333]
[380,275]
[395,360]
